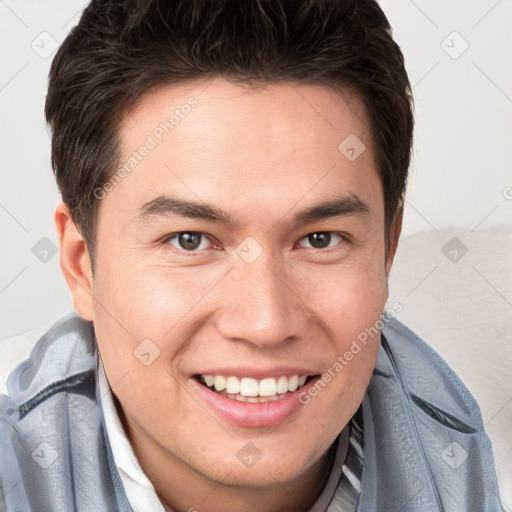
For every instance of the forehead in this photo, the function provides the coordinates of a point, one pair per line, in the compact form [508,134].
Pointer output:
[263,110]
[215,139]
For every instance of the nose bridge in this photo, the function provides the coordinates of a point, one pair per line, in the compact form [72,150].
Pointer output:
[261,306]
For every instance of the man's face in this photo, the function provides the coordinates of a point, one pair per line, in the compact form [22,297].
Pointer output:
[240,285]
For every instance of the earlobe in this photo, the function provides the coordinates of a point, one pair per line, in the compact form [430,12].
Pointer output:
[75,262]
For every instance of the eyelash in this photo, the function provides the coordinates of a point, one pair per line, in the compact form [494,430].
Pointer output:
[167,240]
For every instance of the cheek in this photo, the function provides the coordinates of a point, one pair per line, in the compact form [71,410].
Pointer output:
[149,303]
[349,304]
[348,298]
[148,300]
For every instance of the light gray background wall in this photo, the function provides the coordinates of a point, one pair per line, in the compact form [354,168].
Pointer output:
[457,54]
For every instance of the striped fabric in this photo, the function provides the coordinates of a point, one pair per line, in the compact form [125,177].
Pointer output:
[341,493]
[347,492]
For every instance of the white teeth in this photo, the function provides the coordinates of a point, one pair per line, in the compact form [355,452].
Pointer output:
[219,382]
[253,399]
[293,383]
[282,384]
[233,385]
[247,388]
[209,379]
[268,387]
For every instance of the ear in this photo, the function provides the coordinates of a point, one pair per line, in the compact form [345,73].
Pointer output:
[396,229]
[75,262]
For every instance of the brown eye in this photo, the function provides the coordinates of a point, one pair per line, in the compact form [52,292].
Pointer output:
[319,240]
[322,240]
[188,240]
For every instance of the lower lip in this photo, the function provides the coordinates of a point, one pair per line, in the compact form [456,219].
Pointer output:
[248,414]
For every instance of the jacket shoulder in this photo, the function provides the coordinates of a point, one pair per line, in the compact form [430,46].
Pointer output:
[427,377]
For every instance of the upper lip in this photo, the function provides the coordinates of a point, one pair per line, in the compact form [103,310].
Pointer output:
[257,373]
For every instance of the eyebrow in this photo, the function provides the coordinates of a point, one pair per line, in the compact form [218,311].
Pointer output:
[163,206]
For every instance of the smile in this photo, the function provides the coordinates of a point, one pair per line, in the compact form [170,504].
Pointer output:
[248,389]
[252,402]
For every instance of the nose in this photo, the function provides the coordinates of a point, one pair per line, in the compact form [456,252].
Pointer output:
[262,305]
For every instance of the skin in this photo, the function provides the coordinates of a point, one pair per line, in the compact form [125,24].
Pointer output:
[262,155]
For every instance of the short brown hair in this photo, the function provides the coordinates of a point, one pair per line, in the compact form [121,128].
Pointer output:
[122,49]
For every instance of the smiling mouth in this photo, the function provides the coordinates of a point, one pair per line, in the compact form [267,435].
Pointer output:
[252,390]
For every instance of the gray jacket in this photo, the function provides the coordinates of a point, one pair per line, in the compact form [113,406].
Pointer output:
[425,448]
